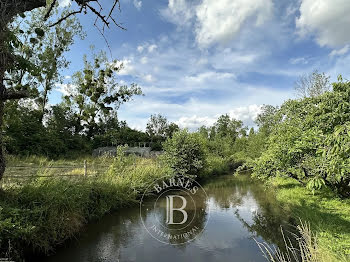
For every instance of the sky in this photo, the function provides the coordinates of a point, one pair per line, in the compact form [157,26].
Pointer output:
[198,59]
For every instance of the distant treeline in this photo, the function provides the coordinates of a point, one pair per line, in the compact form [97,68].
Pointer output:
[63,134]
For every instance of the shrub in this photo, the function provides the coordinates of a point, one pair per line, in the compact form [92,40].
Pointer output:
[216,165]
[185,153]
[310,141]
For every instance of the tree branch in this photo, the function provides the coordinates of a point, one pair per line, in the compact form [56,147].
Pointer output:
[65,17]
[103,18]
[50,9]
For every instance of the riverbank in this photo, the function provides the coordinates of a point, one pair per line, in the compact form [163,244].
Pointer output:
[238,211]
[52,203]
[327,214]
[46,211]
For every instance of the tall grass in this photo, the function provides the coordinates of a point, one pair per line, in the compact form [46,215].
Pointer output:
[45,211]
[327,215]
[49,210]
[305,249]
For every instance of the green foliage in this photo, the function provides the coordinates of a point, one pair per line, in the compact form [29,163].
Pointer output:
[267,119]
[42,48]
[185,153]
[223,135]
[315,183]
[87,118]
[47,211]
[227,127]
[327,215]
[159,129]
[216,166]
[25,134]
[97,94]
[310,141]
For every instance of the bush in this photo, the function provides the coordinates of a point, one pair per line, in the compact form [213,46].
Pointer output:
[185,153]
[216,165]
[310,141]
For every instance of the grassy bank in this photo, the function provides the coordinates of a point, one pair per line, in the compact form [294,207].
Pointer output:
[329,216]
[46,211]
[52,200]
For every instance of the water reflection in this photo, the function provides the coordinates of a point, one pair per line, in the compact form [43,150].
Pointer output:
[240,210]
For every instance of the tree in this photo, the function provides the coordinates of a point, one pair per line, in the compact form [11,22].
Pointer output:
[227,127]
[46,54]
[204,131]
[312,85]
[159,129]
[157,126]
[310,142]
[267,119]
[172,128]
[23,132]
[223,134]
[10,61]
[251,132]
[95,93]
[185,153]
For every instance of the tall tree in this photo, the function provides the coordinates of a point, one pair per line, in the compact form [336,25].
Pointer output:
[11,61]
[47,53]
[227,127]
[312,85]
[95,93]
[267,119]
[157,126]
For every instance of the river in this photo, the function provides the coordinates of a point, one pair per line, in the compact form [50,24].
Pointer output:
[237,212]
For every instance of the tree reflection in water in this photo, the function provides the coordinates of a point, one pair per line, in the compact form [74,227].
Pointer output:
[240,210]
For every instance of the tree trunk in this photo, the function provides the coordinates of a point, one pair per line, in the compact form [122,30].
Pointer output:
[45,95]
[8,11]
[3,63]
[2,91]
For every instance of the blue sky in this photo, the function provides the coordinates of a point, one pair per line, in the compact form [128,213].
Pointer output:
[198,59]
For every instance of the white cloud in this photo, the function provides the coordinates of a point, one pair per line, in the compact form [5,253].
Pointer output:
[341,51]
[211,76]
[138,4]
[148,78]
[199,85]
[140,48]
[217,21]
[127,68]
[247,114]
[221,20]
[291,9]
[151,48]
[64,3]
[144,60]
[67,77]
[298,60]
[239,101]
[328,20]
[178,12]
[194,122]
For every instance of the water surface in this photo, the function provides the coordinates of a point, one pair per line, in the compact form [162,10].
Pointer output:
[237,211]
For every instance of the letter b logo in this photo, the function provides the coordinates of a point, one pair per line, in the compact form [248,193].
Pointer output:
[170,210]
